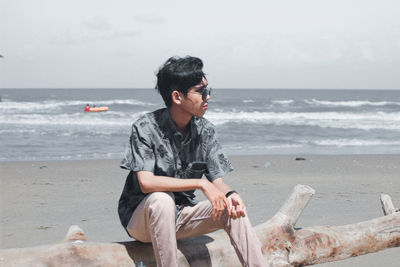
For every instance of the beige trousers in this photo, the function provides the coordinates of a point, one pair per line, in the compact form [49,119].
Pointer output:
[154,220]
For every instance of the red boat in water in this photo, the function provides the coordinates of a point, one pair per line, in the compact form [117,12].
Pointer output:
[95,109]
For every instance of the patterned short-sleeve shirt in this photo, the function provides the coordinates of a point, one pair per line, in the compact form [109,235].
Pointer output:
[157,146]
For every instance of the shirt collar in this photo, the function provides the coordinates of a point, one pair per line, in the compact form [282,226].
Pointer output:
[170,127]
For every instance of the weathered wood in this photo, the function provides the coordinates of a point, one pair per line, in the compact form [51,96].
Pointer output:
[322,244]
[276,233]
[387,204]
[282,245]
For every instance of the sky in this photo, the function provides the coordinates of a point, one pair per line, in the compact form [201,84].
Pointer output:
[317,44]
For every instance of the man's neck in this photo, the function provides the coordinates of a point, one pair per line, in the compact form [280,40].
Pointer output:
[179,117]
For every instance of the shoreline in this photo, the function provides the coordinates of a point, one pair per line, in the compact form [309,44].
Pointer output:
[41,199]
[230,155]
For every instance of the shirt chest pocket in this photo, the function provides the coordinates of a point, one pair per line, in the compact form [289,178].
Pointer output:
[195,169]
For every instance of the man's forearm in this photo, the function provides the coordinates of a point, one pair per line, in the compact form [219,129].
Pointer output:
[215,191]
[153,183]
[223,187]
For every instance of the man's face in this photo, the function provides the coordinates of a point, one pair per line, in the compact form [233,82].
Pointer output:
[194,102]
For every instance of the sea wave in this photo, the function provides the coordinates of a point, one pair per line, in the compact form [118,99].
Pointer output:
[84,119]
[18,131]
[44,155]
[283,102]
[349,103]
[344,120]
[236,146]
[355,142]
[341,120]
[12,106]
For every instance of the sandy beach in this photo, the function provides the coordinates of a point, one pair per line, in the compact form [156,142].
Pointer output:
[40,200]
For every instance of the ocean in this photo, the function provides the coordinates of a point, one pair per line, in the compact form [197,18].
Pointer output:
[50,124]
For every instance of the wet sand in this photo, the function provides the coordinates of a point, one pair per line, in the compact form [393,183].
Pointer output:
[40,200]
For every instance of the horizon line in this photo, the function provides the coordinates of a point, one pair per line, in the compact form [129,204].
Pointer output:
[219,88]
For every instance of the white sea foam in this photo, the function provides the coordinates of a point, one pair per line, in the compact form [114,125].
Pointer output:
[283,102]
[11,106]
[84,119]
[263,147]
[365,121]
[349,103]
[276,146]
[355,142]
[17,131]
[343,120]
[248,101]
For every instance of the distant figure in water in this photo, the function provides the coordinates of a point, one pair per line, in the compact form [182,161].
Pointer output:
[87,108]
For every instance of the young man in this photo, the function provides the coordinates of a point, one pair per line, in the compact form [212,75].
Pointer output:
[169,151]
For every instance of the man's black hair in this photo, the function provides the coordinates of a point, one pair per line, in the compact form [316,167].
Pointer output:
[178,74]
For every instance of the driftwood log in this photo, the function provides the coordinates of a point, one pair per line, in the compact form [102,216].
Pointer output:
[282,244]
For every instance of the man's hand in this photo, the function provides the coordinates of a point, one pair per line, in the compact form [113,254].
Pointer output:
[218,200]
[237,206]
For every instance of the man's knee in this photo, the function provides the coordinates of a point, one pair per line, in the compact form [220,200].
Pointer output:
[228,222]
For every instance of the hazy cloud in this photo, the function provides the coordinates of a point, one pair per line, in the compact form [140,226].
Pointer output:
[150,19]
[95,29]
[69,38]
[98,23]
[262,44]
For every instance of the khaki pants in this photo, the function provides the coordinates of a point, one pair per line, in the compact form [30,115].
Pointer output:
[154,220]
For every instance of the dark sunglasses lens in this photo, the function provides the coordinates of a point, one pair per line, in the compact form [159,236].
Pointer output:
[206,92]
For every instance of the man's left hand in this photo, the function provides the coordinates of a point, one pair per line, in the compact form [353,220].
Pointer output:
[237,206]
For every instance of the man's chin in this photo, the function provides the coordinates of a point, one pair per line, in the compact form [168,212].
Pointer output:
[201,114]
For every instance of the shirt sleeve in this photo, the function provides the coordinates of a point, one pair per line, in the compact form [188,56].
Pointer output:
[218,163]
[139,154]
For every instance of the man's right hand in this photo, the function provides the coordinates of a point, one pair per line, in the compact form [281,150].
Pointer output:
[217,198]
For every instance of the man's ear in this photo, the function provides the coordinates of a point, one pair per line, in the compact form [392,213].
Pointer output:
[176,97]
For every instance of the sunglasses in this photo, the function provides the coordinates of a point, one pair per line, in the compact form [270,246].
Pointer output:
[204,93]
